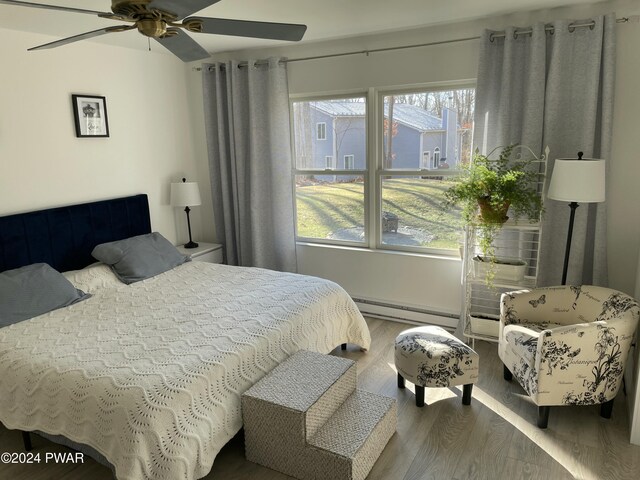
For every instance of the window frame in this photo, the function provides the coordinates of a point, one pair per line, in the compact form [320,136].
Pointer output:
[352,158]
[293,98]
[381,172]
[374,171]
[329,162]
[426,164]
[324,131]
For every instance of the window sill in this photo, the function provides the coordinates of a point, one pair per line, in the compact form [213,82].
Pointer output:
[445,257]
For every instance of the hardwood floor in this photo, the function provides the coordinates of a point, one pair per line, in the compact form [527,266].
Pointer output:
[493,438]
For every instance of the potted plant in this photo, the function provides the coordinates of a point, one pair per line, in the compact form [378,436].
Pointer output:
[489,188]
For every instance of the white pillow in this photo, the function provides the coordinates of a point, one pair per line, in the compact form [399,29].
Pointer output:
[93,278]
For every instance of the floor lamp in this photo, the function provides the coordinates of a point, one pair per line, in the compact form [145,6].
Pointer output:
[186,194]
[576,181]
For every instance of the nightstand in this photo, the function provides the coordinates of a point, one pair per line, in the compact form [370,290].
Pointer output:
[204,252]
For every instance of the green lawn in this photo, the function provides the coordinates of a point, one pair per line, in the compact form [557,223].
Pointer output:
[326,208]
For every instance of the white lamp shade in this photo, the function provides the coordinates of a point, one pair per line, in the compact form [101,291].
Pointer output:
[579,181]
[185,194]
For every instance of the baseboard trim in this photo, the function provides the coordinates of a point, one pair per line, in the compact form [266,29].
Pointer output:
[406,314]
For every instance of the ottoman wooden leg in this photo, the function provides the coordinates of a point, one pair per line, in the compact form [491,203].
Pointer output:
[400,381]
[343,346]
[508,376]
[466,394]
[419,396]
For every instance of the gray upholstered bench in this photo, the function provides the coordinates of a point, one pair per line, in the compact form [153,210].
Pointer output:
[432,357]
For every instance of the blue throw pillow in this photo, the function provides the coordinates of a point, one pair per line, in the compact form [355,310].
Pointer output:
[139,258]
[33,290]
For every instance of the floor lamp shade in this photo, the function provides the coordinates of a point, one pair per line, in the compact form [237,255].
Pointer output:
[576,180]
[186,194]
[581,181]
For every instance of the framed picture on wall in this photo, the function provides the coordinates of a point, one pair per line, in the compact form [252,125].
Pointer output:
[90,115]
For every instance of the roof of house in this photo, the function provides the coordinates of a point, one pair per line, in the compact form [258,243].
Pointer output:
[410,115]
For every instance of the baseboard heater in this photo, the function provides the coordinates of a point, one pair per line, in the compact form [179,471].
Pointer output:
[405,313]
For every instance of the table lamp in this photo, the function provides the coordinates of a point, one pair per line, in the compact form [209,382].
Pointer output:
[186,194]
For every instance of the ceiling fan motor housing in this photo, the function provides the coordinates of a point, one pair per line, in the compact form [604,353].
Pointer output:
[150,22]
[132,9]
[152,27]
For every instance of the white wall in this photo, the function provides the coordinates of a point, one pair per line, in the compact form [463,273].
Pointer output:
[43,164]
[454,62]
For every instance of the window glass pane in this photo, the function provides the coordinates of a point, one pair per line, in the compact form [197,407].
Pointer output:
[330,207]
[333,127]
[412,213]
[416,124]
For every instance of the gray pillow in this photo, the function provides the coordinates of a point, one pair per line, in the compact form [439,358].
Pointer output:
[33,290]
[139,258]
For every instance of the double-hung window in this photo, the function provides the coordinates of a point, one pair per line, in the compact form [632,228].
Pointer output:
[386,193]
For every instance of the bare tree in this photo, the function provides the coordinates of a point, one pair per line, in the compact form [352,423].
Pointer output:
[389,132]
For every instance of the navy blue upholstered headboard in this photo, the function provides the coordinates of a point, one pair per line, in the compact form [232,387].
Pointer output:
[64,237]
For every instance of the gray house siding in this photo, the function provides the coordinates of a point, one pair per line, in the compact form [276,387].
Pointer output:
[350,140]
[417,133]
[321,148]
[406,148]
[430,142]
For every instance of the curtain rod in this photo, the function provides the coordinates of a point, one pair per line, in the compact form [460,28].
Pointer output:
[551,28]
[572,27]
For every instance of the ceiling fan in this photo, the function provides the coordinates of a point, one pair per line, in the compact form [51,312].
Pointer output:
[164,21]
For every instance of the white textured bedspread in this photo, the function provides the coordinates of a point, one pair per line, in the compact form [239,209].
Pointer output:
[150,375]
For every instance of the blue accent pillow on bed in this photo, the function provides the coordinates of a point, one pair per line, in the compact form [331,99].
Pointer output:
[30,291]
[138,258]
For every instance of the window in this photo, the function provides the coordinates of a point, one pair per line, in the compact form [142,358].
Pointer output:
[328,160]
[330,206]
[349,162]
[436,157]
[321,131]
[426,160]
[385,199]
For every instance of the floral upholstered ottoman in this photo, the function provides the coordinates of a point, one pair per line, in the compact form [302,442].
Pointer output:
[432,357]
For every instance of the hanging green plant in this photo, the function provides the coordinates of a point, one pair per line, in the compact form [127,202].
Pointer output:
[489,188]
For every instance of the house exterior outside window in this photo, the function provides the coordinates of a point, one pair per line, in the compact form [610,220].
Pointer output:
[398,176]
[349,162]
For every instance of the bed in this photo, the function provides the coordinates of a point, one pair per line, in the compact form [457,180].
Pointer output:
[149,375]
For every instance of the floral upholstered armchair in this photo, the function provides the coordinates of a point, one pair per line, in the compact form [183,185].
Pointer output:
[567,345]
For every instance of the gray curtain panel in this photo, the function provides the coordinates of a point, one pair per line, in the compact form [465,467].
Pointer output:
[248,137]
[542,89]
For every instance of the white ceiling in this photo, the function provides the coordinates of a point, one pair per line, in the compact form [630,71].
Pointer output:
[325,19]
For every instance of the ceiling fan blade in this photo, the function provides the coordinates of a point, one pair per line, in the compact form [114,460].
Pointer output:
[183,46]
[246,28]
[83,36]
[52,7]
[181,8]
